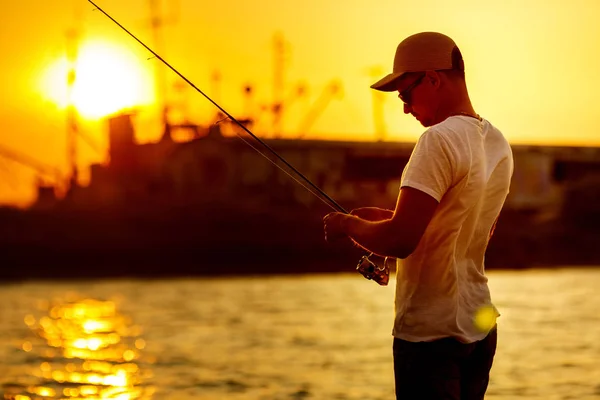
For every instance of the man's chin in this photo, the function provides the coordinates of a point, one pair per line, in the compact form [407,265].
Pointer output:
[423,121]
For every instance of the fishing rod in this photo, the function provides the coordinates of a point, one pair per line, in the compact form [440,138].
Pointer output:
[313,188]
[365,266]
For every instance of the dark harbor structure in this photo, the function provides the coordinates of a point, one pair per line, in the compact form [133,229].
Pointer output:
[212,205]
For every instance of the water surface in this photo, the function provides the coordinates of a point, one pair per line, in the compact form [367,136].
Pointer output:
[277,337]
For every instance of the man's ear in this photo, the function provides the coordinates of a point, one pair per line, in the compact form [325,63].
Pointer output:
[434,78]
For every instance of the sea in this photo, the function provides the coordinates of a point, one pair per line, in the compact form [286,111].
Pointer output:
[288,337]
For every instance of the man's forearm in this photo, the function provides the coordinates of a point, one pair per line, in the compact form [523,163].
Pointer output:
[373,213]
[379,237]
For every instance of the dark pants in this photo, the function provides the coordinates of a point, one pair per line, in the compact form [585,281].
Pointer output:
[444,369]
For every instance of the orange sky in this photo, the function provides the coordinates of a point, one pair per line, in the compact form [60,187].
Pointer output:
[532,67]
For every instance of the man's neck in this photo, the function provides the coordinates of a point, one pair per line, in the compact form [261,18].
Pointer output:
[459,108]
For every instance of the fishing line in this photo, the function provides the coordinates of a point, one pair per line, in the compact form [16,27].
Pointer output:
[315,190]
[274,162]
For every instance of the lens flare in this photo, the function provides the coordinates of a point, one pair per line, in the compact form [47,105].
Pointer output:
[485,318]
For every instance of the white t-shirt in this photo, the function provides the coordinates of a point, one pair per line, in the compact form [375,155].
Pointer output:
[466,165]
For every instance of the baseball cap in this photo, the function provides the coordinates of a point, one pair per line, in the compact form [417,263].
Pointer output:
[422,51]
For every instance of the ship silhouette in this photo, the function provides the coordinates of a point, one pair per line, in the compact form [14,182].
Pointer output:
[211,205]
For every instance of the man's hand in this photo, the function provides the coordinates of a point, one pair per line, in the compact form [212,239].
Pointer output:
[333,226]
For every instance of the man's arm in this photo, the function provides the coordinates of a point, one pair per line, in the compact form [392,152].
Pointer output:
[399,235]
[372,213]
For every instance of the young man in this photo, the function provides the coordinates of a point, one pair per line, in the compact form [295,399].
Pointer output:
[451,193]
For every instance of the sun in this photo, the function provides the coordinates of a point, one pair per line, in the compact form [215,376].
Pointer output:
[107,79]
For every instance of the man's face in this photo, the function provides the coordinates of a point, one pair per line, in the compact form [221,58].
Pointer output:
[415,91]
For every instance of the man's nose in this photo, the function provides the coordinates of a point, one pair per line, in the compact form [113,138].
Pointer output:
[407,108]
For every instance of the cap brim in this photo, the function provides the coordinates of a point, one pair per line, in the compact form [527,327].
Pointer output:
[388,83]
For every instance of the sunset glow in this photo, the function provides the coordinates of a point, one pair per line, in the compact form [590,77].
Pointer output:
[107,80]
[522,72]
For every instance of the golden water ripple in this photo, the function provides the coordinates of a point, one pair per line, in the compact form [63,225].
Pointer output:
[86,349]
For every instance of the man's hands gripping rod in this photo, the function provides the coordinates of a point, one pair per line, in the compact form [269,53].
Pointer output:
[335,230]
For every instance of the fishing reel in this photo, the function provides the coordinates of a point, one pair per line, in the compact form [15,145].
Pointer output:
[372,271]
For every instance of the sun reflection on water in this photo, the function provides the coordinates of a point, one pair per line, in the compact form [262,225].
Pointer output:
[86,349]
